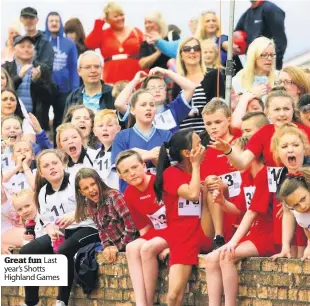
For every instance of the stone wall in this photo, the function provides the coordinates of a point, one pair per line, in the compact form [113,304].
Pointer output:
[262,283]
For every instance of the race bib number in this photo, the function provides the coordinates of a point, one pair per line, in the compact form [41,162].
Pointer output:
[164,120]
[151,170]
[189,208]
[17,183]
[273,174]
[233,181]
[248,194]
[103,165]
[6,161]
[159,218]
[58,210]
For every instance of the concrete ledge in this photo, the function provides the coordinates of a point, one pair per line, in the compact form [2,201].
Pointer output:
[262,283]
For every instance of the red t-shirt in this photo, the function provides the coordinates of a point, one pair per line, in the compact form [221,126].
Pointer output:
[217,163]
[144,208]
[262,202]
[179,210]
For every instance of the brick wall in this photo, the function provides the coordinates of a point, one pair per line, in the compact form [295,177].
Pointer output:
[262,283]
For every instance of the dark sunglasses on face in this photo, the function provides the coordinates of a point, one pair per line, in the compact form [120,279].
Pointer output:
[305,109]
[189,48]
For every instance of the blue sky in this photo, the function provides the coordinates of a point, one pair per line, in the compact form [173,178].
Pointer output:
[175,11]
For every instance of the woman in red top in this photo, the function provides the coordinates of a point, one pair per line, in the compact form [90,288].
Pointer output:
[119,45]
[150,219]
[179,188]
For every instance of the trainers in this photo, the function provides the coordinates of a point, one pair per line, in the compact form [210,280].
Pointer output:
[218,241]
[60,303]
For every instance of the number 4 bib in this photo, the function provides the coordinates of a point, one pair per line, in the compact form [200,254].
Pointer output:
[189,208]
[158,218]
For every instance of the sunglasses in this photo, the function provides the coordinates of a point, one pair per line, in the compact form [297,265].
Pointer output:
[190,48]
[305,109]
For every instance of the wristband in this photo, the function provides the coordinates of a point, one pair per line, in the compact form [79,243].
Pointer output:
[229,152]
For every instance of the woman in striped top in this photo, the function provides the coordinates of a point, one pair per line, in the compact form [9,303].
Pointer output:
[190,65]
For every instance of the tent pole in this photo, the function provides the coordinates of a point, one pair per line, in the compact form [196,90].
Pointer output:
[229,62]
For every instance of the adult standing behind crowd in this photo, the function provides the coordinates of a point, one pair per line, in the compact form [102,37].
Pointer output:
[7,53]
[44,50]
[258,74]
[150,56]
[119,44]
[264,18]
[65,62]
[31,79]
[94,93]
[75,31]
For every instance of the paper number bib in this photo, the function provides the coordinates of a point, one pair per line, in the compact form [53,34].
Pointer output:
[103,165]
[159,218]
[189,208]
[248,194]
[273,175]
[164,120]
[233,181]
[58,209]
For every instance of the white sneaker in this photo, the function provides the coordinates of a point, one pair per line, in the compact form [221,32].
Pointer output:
[60,303]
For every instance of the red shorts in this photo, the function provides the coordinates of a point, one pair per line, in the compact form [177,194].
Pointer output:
[263,242]
[152,233]
[185,251]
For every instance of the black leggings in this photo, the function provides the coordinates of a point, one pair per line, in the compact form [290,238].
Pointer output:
[75,239]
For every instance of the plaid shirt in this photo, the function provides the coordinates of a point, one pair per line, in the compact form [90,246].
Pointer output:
[114,222]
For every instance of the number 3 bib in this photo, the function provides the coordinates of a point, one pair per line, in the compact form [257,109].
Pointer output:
[158,218]
[189,208]
[233,181]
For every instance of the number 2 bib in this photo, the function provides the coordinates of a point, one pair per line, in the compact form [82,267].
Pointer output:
[158,218]
[164,120]
[189,208]
[248,194]
[273,175]
[233,181]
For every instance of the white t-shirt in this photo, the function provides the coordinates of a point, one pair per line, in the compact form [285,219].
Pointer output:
[303,219]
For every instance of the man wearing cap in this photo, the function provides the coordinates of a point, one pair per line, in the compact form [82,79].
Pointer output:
[32,80]
[44,49]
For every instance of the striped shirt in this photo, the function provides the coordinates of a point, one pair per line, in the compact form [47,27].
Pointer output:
[199,100]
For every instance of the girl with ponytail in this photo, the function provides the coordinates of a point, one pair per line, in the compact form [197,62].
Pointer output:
[179,187]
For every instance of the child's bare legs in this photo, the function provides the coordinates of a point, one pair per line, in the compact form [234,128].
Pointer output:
[133,250]
[300,251]
[206,218]
[214,278]
[178,278]
[149,252]
[215,210]
[230,273]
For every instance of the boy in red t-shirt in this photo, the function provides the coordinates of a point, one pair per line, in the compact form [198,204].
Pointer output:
[150,219]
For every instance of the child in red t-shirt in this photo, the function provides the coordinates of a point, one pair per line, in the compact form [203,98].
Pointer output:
[180,188]
[150,219]
[289,146]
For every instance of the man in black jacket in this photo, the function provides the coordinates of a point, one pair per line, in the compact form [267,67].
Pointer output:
[44,49]
[32,80]
[94,94]
[264,18]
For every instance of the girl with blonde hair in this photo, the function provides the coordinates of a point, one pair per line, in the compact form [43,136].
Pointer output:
[259,72]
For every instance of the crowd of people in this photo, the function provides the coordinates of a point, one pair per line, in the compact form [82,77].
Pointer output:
[145,156]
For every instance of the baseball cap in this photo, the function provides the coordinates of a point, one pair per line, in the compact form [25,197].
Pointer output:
[20,38]
[28,11]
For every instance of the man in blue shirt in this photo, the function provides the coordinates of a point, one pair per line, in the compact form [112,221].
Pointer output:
[94,94]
